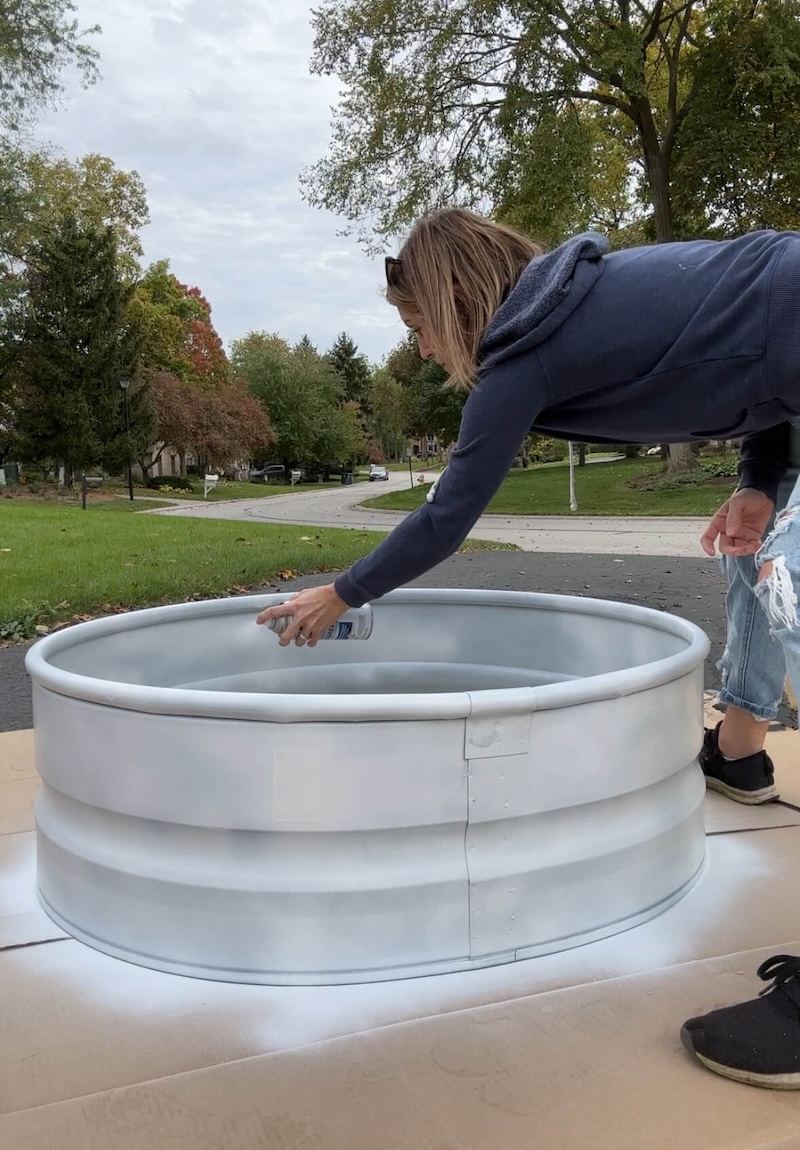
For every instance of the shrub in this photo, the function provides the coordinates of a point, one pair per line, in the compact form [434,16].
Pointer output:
[721,466]
[546,450]
[170,483]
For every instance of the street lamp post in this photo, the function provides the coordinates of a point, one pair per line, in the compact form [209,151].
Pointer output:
[124,384]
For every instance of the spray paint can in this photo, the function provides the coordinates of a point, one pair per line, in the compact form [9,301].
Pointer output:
[354,624]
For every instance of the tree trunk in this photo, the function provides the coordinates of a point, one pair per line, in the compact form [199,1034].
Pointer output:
[681,457]
[656,167]
[581,455]
[658,181]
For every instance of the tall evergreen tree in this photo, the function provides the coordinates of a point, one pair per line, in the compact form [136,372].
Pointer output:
[76,342]
[352,370]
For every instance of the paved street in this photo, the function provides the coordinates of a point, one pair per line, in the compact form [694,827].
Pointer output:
[569,534]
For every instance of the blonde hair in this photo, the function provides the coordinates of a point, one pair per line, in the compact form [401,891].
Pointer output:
[455,270]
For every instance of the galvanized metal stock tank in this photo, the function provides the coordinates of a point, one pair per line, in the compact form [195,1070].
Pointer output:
[491,776]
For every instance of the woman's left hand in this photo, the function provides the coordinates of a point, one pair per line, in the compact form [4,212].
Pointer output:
[311,612]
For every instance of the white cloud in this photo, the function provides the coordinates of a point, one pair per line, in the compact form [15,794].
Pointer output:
[213,105]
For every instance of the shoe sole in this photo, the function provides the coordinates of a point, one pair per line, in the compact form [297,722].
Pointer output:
[748,1077]
[748,798]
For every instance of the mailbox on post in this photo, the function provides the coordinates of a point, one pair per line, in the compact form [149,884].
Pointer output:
[88,482]
[209,484]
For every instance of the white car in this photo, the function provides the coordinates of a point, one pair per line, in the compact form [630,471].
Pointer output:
[378,472]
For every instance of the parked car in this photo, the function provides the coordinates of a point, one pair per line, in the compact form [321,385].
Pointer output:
[271,471]
[378,472]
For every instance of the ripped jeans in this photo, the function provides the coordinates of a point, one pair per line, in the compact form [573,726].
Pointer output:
[778,583]
[758,645]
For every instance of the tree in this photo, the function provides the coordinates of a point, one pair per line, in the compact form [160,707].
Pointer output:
[36,192]
[303,396]
[205,352]
[389,407]
[179,335]
[222,426]
[572,174]
[38,40]
[76,342]
[404,361]
[92,189]
[174,403]
[229,426]
[743,174]
[435,408]
[431,408]
[352,370]
[441,101]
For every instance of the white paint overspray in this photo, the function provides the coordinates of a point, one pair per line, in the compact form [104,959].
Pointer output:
[167,1024]
[195,824]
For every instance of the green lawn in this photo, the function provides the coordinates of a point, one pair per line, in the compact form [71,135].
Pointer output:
[416,465]
[58,562]
[120,504]
[227,489]
[601,489]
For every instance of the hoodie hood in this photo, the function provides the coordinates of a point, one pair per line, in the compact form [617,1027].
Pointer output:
[547,292]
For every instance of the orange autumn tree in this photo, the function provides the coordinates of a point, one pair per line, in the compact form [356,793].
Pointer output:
[200,407]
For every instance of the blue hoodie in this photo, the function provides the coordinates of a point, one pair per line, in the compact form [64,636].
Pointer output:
[669,343]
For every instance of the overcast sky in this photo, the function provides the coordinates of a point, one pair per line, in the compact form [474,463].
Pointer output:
[211,102]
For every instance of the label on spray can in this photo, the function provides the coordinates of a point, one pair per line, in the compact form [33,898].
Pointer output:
[354,624]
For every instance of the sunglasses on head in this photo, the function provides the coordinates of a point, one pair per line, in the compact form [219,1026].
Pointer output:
[391,264]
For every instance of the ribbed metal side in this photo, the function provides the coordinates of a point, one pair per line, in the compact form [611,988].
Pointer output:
[196,819]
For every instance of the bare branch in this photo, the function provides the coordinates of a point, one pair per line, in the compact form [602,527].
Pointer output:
[655,23]
[469,138]
[659,17]
[683,28]
[594,96]
[685,108]
[482,105]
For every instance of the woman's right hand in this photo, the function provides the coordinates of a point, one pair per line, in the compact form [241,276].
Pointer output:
[311,612]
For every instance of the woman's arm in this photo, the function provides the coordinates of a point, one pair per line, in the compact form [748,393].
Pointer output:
[497,418]
[764,459]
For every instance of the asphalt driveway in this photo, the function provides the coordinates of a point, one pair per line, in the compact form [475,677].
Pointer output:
[692,588]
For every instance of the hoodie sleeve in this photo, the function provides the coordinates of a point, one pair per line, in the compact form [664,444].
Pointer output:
[765,459]
[497,417]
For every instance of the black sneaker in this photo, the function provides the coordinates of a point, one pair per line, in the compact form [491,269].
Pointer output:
[757,1042]
[750,780]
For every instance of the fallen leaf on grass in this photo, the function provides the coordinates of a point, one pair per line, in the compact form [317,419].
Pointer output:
[5,550]
[287,574]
